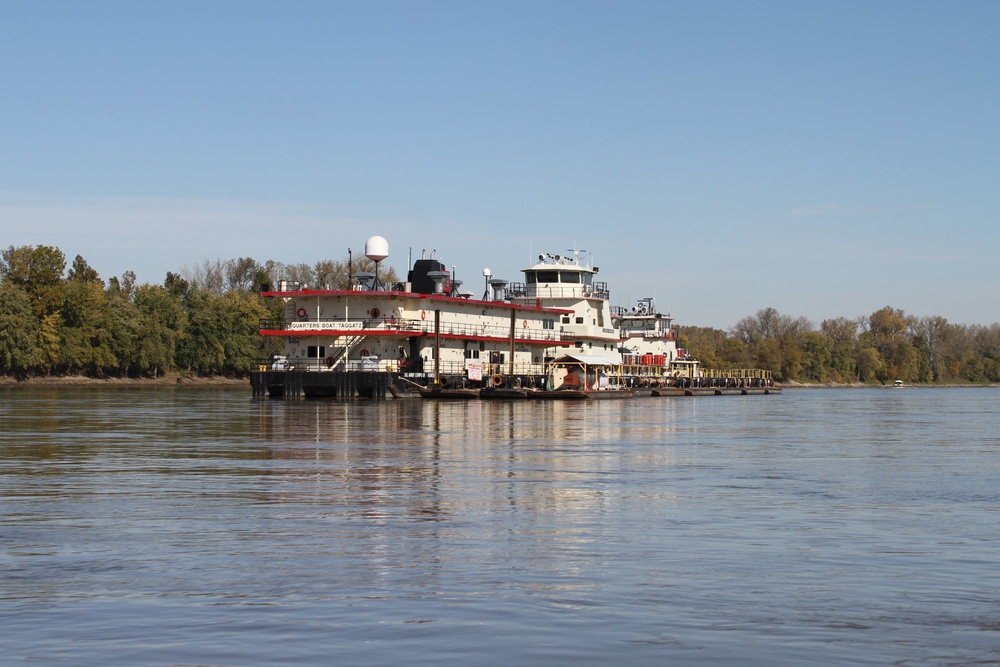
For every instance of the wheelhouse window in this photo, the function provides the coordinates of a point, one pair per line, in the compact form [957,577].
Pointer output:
[570,277]
[548,276]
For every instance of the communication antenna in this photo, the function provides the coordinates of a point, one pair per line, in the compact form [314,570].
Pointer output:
[376,249]
[486,274]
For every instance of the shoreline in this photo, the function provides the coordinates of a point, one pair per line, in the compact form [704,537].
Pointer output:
[169,380]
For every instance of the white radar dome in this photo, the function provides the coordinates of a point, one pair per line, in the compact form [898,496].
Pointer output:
[376,248]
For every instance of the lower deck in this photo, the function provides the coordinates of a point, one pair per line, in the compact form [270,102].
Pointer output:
[383,384]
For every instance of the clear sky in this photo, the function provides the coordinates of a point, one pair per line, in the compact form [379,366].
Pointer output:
[824,159]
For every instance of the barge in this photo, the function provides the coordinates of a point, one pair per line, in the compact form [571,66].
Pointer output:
[551,336]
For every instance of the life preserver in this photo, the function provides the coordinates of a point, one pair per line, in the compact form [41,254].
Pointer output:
[329,362]
[497,380]
[423,314]
[524,324]
[301,312]
[364,353]
[374,312]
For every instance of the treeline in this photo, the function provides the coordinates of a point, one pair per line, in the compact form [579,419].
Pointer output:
[203,321]
[880,348]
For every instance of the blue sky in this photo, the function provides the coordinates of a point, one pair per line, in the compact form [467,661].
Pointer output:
[824,159]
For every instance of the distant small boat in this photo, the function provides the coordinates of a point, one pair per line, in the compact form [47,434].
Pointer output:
[897,383]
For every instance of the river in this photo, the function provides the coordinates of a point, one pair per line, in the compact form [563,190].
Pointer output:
[164,526]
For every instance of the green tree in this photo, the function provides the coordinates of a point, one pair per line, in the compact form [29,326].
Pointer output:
[38,271]
[816,355]
[86,335]
[843,333]
[201,350]
[81,272]
[869,365]
[163,324]
[239,319]
[767,354]
[930,334]
[241,274]
[18,331]
[126,323]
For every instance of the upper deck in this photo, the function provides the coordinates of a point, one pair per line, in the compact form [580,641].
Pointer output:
[560,277]
[642,320]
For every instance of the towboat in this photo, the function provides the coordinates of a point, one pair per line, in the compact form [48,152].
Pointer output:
[552,335]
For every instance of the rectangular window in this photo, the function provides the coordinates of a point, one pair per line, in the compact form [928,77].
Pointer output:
[316,352]
[570,277]
[548,276]
[548,324]
[579,320]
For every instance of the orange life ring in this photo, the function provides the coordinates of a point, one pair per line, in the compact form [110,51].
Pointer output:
[301,312]
[423,314]
[497,380]
[329,362]
[374,312]
[364,353]
[524,324]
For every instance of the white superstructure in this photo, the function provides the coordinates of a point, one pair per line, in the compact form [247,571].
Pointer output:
[427,331]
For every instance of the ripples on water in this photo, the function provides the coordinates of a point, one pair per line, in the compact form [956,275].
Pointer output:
[199,526]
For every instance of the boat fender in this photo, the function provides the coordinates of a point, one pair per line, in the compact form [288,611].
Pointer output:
[497,380]
[301,312]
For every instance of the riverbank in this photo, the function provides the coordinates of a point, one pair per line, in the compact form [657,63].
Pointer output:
[171,379]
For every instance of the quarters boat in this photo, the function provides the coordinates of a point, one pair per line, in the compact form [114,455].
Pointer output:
[551,336]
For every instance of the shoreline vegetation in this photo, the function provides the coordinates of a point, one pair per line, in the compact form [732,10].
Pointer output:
[202,326]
